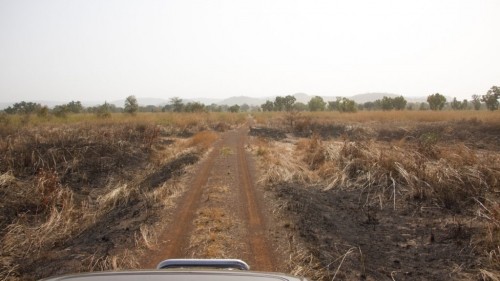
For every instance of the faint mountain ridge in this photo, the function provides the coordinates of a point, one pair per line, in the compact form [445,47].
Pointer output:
[240,100]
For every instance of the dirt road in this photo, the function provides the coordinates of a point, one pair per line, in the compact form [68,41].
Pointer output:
[221,213]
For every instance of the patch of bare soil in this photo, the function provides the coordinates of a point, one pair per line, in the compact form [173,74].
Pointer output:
[379,244]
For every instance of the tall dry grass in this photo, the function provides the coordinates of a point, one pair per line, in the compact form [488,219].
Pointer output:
[266,118]
[169,120]
[61,181]
[426,171]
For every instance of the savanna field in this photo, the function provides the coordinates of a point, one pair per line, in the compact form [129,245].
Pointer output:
[398,195]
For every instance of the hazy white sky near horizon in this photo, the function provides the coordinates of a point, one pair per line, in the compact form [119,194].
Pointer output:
[108,49]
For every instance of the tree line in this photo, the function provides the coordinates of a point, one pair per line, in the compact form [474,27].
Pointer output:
[434,102]
[131,106]
[287,103]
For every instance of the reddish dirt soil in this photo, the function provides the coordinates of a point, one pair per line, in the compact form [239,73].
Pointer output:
[221,215]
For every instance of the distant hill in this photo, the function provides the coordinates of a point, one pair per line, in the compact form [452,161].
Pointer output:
[362,98]
[142,102]
[242,100]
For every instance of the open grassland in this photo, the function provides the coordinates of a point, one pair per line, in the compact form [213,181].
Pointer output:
[386,195]
[372,195]
[84,194]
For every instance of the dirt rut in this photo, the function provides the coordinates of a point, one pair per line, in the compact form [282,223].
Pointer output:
[224,182]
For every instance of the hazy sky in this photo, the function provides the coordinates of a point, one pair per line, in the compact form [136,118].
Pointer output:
[97,49]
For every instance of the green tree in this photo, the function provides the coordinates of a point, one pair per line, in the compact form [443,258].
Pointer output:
[43,111]
[60,111]
[279,103]
[177,104]
[131,105]
[300,106]
[436,101]
[491,98]
[455,104]
[316,104]
[289,102]
[369,105]
[387,103]
[74,106]
[268,106]
[476,102]
[194,107]
[150,108]
[284,103]
[333,105]
[214,108]
[399,103]
[423,106]
[23,108]
[465,104]
[346,105]
[234,108]
[103,111]
[245,107]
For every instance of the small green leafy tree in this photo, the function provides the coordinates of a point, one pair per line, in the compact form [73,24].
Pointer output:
[194,107]
[387,103]
[459,105]
[177,104]
[333,105]
[316,104]
[60,111]
[423,106]
[465,104]
[491,98]
[23,108]
[74,106]
[372,105]
[346,105]
[131,105]
[245,107]
[103,111]
[436,101]
[43,112]
[399,103]
[268,106]
[455,104]
[476,101]
[284,103]
[300,106]
[234,108]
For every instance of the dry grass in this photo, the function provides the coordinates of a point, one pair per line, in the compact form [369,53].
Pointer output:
[178,122]
[271,118]
[63,182]
[203,140]
[211,237]
[428,172]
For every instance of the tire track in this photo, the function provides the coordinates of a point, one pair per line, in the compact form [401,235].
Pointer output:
[176,238]
[259,246]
